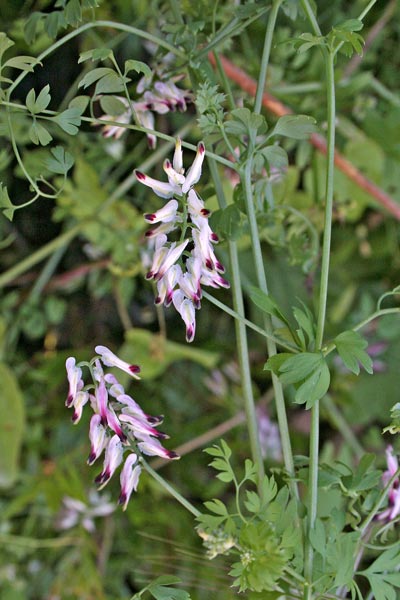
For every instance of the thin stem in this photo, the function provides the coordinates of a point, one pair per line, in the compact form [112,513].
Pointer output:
[326,246]
[168,487]
[265,55]
[241,337]
[271,346]
[249,324]
[311,17]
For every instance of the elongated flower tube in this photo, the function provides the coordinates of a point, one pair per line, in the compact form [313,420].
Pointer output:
[112,460]
[393,510]
[74,375]
[111,360]
[129,479]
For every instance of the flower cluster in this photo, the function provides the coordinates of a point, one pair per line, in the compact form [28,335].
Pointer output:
[158,97]
[118,424]
[393,510]
[180,284]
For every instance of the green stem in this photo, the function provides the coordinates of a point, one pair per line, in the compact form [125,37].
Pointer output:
[168,487]
[241,337]
[249,324]
[271,346]
[326,246]
[265,55]
[39,255]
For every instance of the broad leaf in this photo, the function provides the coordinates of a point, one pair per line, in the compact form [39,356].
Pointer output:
[298,127]
[350,346]
[61,162]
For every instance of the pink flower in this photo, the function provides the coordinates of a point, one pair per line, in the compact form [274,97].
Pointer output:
[186,309]
[111,360]
[129,479]
[74,375]
[178,184]
[112,460]
[153,447]
[393,510]
[98,438]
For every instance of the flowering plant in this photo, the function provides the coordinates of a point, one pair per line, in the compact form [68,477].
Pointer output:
[172,167]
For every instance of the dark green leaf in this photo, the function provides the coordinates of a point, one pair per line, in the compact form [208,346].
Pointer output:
[276,157]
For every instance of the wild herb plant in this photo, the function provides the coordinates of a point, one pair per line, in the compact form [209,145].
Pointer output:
[257,210]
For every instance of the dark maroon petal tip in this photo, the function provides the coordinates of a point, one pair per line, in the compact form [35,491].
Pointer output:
[74,417]
[150,233]
[209,264]
[91,458]
[139,175]
[69,400]
[162,435]
[214,238]
[155,420]
[149,275]
[205,212]
[172,455]
[122,498]
[158,300]
[167,164]
[201,148]
[149,217]
[134,368]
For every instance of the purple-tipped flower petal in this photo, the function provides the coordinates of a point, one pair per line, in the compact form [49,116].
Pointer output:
[112,460]
[80,400]
[153,447]
[161,188]
[129,479]
[186,309]
[194,172]
[98,438]
[111,360]
[74,375]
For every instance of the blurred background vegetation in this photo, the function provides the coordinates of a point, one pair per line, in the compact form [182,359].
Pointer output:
[91,291]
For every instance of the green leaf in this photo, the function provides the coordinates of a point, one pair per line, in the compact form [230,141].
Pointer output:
[24,63]
[300,366]
[80,103]
[53,22]
[110,84]
[112,106]
[39,135]
[31,26]
[69,120]
[350,25]
[217,507]
[305,319]
[275,362]
[394,426]
[383,574]
[12,420]
[96,54]
[276,157]
[267,304]
[5,43]
[138,66]
[315,386]
[298,127]
[94,75]
[350,346]
[160,589]
[5,203]
[39,104]
[61,162]
[73,13]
